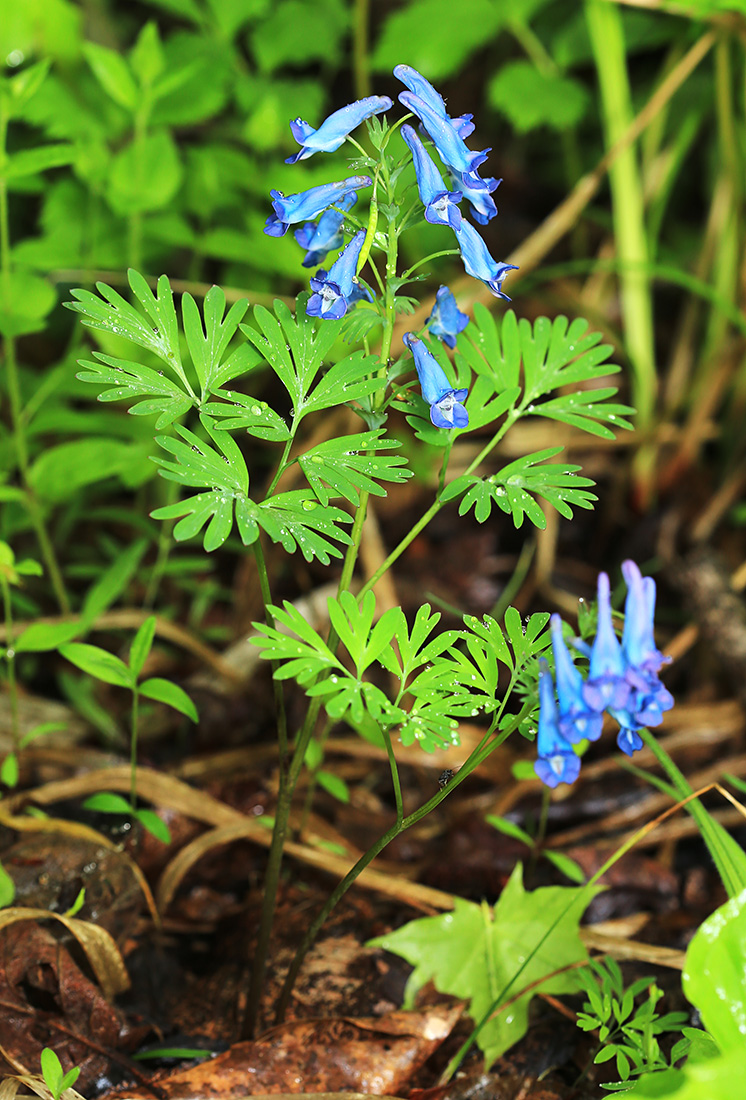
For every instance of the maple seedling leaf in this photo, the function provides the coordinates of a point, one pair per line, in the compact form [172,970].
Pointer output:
[476,952]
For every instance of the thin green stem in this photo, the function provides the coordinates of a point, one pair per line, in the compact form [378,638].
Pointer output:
[283,463]
[427,259]
[435,508]
[478,754]
[279,698]
[133,748]
[10,660]
[394,777]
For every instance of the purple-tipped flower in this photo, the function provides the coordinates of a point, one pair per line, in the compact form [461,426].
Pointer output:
[480,199]
[333,290]
[334,130]
[638,640]
[643,660]
[425,91]
[446,320]
[440,203]
[289,209]
[479,263]
[450,145]
[446,408]
[557,763]
[325,235]
[577,721]
[606,686]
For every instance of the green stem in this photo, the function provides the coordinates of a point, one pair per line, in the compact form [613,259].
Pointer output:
[10,659]
[606,32]
[279,698]
[435,507]
[478,754]
[427,259]
[133,749]
[394,777]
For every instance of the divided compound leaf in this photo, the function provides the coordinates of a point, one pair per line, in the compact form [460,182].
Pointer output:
[487,956]
[292,347]
[299,523]
[129,380]
[339,464]
[514,487]
[348,380]
[208,344]
[243,411]
[299,651]
[198,464]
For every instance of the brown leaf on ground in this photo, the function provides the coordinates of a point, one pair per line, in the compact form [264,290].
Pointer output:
[46,1000]
[366,1054]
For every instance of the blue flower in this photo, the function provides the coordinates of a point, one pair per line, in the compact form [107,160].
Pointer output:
[446,320]
[446,409]
[606,686]
[333,290]
[480,199]
[557,762]
[290,209]
[334,130]
[629,740]
[479,263]
[324,236]
[450,145]
[638,641]
[439,202]
[425,91]
[577,721]
[649,698]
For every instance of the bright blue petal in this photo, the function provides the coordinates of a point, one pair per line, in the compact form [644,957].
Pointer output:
[557,762]
[606,686]
[629,741]
[450,146]
[334,130]
[479,263]
[306,205]
[439,202]
[433,379]
[446,320]
[344,267]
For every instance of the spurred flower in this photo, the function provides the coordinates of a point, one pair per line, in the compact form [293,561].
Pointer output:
[451,148]
[325,235]
[577,721]
[479,263]
[335,129]
[557,762]
[440,204]
[333,291]
[446,408]
[422,88]
[289,209]
[446,320]
[606,686]
[480,199]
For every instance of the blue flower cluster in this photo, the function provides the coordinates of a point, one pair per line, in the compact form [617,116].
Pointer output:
[441,205]
[622,681]
[335,290]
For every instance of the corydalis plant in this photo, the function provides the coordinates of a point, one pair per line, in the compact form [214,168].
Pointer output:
[202,375]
